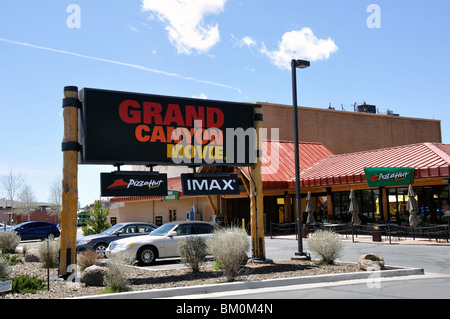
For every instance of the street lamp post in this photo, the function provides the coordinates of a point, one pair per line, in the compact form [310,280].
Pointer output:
[297,64]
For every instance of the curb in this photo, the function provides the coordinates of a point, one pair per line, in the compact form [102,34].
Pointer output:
[204,289]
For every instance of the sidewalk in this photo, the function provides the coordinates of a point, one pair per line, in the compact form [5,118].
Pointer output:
[384,240]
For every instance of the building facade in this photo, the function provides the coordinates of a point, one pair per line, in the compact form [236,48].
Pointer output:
[327,136]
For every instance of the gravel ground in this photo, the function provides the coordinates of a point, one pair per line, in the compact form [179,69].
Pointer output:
[145,279]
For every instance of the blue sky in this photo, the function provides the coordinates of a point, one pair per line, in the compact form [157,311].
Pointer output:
[393,55]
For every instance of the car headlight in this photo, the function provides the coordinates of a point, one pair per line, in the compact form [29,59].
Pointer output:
[114,245]
[83,241]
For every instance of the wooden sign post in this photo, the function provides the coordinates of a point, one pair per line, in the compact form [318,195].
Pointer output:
[256,194]
[70,148]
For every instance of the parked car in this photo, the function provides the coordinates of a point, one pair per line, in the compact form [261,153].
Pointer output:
[161,243]
[4,226]
[36,230]
[99,242]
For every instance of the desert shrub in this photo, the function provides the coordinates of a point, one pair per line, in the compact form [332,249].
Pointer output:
[328,245]
[229,247]
[12,259]
[24,284]
[87,258]
[9,240]
[116,277]
[49,259]
[193,252]
[5,268]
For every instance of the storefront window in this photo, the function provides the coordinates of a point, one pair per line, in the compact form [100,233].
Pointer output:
[433,202]
[368,205]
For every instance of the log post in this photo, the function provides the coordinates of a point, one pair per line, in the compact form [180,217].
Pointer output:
[70,148]
[256,194]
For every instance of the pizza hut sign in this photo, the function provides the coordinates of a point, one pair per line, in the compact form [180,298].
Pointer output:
[133,184]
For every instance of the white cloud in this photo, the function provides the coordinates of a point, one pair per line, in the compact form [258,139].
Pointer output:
[130,65]
[245,41]
[201,96]
[301,44]
[184,20]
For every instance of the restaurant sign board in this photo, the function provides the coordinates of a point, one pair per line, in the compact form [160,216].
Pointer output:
[133,184]
[389,176]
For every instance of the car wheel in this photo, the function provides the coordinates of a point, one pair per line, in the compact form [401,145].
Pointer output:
[146,255]
[100,249]
[51,236]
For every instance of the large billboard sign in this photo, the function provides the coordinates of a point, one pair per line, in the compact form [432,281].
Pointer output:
[132,128]
[389,176]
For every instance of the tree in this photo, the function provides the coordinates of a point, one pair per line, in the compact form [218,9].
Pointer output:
[55,195]
[11,183]
[98,221]
[27,200]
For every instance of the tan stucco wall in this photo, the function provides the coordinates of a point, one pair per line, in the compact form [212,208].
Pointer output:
[146,211]
[347,132]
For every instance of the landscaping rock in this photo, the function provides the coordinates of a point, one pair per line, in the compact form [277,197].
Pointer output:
[32,256]
[370,262]
[93,275]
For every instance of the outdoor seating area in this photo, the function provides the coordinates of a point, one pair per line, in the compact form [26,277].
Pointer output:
[389,231]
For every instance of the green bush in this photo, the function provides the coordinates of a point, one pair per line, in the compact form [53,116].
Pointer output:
[5,268]
[193,252]
[24,284]
[230,246]
[9,240]
[328,245]
[13,259]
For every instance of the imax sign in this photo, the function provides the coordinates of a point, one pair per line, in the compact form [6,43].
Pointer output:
[210,184]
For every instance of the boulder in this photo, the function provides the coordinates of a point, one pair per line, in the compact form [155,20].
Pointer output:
[93,275]
[32,256]
[370,262]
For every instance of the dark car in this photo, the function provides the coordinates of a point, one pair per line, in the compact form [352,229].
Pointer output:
[36,230]
[99,242]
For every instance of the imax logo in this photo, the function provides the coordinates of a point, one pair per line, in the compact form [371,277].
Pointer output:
[193,184]
[213,184]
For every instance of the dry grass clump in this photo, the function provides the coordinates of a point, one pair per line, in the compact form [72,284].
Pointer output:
[328,245]
[193,251]
[229,247]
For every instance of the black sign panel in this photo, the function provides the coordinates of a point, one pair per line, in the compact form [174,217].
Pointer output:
[133,184]
[132,128]
[210,184]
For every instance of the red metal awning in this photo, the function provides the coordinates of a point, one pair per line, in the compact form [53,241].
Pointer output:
[428,159]
[278,162]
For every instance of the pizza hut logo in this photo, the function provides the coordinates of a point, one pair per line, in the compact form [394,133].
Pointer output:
[120,183]
[397,176]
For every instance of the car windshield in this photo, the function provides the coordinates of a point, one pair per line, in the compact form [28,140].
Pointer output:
[112,229]
[162,230]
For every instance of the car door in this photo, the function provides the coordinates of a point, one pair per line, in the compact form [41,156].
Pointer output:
[24,231]
[144,229]
[203,230]
[127,231]
[171,242]
[39,231]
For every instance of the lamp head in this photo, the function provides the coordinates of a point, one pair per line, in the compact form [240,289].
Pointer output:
[301,64]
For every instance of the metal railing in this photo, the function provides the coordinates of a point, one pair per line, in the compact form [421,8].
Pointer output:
[430,232]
